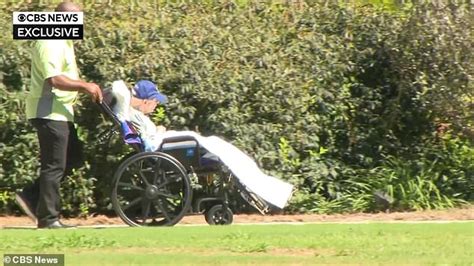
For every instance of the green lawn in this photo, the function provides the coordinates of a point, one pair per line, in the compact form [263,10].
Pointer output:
[374,243]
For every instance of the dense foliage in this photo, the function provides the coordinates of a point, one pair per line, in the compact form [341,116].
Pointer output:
[361,108]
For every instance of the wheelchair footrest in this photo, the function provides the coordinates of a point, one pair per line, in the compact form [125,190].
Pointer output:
[255,201]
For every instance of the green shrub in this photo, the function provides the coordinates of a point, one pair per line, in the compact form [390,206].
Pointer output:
[439,177]
[341,101]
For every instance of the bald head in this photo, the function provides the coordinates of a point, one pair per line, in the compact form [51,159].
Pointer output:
[68,7]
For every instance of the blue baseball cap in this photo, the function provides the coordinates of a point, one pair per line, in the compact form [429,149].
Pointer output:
[145,89]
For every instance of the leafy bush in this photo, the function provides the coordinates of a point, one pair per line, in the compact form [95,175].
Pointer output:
[439,177]
[341,101]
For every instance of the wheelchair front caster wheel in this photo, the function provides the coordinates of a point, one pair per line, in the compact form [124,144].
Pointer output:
[218,215]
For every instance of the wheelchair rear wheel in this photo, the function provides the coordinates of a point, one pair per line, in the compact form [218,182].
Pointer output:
[151,189]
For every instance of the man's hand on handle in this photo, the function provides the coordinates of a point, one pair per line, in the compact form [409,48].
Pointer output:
[94,91]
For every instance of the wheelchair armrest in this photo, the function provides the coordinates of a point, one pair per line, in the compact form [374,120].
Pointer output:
[178,139]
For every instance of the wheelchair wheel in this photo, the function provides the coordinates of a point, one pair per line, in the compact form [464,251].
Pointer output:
[151,189]
[218,215]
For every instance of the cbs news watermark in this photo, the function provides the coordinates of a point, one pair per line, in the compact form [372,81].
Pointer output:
[48,25]
[33,259]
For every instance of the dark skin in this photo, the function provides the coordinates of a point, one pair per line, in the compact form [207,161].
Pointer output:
[62,82]
[68,7]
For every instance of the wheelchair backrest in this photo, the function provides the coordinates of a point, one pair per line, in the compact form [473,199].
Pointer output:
[126,129]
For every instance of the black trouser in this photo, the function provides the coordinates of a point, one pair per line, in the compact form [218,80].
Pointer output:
[60,152]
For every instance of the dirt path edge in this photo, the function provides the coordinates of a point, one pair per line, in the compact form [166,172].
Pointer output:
[458,214]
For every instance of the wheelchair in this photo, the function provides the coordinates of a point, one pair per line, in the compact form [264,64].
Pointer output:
[180,178]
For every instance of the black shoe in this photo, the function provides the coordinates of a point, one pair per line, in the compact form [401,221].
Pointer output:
[26,205]
[55,225]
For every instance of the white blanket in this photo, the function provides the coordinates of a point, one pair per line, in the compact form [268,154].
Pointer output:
[271,189]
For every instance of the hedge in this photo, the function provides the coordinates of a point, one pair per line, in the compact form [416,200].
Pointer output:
[348,103]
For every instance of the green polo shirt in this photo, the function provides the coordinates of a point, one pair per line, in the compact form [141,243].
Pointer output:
[51,58]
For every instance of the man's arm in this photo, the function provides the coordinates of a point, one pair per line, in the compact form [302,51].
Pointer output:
[64,83]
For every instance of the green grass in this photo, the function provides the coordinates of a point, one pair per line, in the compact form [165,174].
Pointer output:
[374,243]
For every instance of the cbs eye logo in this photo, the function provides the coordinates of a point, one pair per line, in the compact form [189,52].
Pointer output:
[21,18]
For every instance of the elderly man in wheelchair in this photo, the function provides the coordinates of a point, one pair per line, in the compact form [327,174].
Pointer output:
[174,173]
